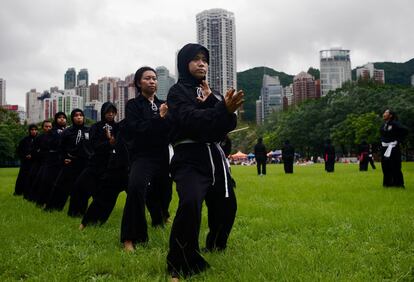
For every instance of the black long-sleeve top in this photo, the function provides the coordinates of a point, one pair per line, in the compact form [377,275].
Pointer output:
[260,152]
[99,143]
[203,122]
[393,131]
[25,147]
[288,152]
[72,142]
[146,133]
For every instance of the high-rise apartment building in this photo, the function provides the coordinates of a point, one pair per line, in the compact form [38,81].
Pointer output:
[107,89]
[70,78]
[335,69]
[271,96]
[83,78]
[83,91]
[2,92]
[33,106]
[53,105]
[72,101]
[303,88]
[216,30]
[288,93]
[93,92]
[368,71]
[165,81]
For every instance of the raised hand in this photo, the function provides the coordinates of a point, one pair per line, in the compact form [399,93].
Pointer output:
[163,110]
[205,89]
[233,100]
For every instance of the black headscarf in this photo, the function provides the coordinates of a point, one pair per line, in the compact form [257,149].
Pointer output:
[72,114]
[138,75]
[105,108]
[57,115]
[185,55]
[32,126]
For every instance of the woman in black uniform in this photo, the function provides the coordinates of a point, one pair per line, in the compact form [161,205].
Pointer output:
[392,134]
[146,133]
[200,118]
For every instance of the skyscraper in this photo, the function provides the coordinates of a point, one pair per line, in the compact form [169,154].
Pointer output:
[83,78]
[165,81]
[303,88]
[217,32]
[335,69]
[2,92]
[271,96]
[33,106]
[70,78]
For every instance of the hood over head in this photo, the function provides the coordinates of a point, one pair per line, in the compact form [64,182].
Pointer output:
[57,115]
[72,114]
[105,108]
[185,56]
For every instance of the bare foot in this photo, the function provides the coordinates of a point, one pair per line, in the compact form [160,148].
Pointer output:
[81,227]
[129,246]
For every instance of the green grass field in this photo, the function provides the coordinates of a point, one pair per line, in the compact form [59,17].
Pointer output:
[309,226]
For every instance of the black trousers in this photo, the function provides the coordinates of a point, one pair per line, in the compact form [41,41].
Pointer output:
[29,191]
[47,175]
[142,191]
[391,168]
[64,184]
[110,184]
[371,162]
[330,165]
[288,165]
[261,167]
[363,162]
[23,177]
[194,185]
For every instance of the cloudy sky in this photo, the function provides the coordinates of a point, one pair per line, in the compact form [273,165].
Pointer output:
[40,39]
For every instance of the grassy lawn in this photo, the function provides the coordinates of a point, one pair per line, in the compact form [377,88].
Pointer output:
[309,226]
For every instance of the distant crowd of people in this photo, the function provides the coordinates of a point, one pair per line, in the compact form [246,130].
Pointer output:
[392,135]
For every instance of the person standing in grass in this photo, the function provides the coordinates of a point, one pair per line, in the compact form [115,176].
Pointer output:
[102,179]
[146,133]
[24,151]
[261,156]
[74,156]
[288,156]
[371,157]
[392,135]
[329,156]
[363,152]
[201,118]
[52,164]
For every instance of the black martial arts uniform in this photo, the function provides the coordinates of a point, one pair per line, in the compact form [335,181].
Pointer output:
[72,146]
[29,192]
[261,157]
[392,134]
[288,156]
[147,136]
[24,151]
[371,157]
[329,156]
[51,164]
[199,169]
[363,152]
[101,179]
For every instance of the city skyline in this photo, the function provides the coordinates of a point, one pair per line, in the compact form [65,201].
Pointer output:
[42,39]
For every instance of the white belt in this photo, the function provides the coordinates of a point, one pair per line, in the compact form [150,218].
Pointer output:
[213,168]
[389,146]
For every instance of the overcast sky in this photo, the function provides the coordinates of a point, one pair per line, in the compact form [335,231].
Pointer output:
[40,39]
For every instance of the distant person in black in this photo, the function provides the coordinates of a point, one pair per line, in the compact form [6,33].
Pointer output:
[392,134]
[329,156]
[39,155]
[363,152]
[201,118]
[371,157]
[261,157]
[24,151]
[101,179]
[288,157]
[74,157]
[146,132]
[52,162]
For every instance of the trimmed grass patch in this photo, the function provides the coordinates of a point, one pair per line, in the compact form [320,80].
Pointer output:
[309,226]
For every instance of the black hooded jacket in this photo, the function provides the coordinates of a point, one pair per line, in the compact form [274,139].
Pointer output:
[393,131]
[100,148]
[145,132]
[73,140]
[25,147]
[203,122]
